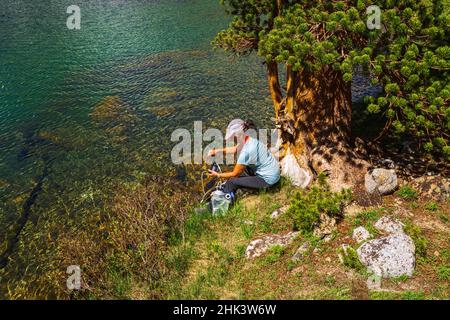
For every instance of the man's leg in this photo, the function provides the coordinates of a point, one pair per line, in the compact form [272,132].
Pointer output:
[245,182]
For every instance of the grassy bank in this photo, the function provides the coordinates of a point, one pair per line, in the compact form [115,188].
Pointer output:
[152,244]
[210,264]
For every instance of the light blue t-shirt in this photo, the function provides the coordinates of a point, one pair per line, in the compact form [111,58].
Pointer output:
[256,155]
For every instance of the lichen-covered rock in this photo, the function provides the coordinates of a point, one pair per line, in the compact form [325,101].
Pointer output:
[257,247]
[389,225]
[301,251]
[279,212]
[432,187]
[360,234]
[381,180]
[389,257]
[326,226]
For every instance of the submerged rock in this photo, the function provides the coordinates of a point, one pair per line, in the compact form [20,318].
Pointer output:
[257,247]
[360,234]
[112,110]
[3,184]
[383,181]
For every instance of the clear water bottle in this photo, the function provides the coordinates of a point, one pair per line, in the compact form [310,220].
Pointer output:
[220,202]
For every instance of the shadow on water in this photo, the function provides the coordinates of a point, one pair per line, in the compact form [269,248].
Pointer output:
[34,146]
[26,209]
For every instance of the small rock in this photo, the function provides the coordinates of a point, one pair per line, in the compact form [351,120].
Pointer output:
[257,247]
[326,226]
[301,252]
[382,180]
[360,234]
[389,257]
[389,225]
[248,222]
[432,187]
[388,163]
[279,212]
[328,259]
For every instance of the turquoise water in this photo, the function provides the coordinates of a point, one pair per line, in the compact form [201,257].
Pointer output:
[153,59]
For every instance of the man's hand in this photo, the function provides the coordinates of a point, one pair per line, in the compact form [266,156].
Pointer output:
[213,173]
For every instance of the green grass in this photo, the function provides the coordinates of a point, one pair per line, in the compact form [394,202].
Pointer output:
[400,279]
[444,272]
[407,193]
[368,216]
[350,259]
[419,239]
[274,254]
[443,218]
[406,295]
[431,206]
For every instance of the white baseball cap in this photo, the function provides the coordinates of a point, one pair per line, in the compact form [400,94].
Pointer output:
[235,128]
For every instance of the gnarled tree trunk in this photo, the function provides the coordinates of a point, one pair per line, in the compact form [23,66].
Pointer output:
[314,117]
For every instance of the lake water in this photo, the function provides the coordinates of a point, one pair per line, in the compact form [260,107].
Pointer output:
[151,60]
[83,111]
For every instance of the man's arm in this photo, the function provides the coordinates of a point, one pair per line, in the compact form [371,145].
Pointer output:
[238,170]
[229,150]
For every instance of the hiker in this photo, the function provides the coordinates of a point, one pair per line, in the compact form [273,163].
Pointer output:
[256,167]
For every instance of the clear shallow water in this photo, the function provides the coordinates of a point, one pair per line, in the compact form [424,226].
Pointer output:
[153,57]
[96,107]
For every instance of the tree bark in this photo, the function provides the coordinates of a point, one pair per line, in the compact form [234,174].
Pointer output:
[314,119]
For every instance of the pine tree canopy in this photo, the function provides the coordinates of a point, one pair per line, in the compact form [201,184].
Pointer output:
[408,56]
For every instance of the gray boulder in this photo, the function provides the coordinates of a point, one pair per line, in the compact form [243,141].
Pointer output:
[383,181]
[257,247]
[390,256]
[389,225]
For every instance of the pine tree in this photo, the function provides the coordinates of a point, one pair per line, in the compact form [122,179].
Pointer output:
[320,43]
